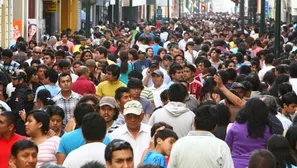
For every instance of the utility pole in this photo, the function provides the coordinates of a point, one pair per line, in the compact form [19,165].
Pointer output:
[262,19]
[88,19]
[198,11]
[168,11]
[179,11]
[277,28]
[242,15]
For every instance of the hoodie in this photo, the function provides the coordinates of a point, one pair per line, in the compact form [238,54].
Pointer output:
[177,115]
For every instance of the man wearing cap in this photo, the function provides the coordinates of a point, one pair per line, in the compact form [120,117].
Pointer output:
[83,85]
[134,132]
[106,109]
[7,136]
[142,62]
[158,87]
[21,99]
[154,65]
[239,88]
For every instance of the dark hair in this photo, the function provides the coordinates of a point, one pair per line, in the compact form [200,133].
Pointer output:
[284,88]
[10,117]
[35,61]
[159,125]
[191,67]
[64,74]
[55,110]
[149,166]
[177,92]
[291,136]
[119,92]
[164,134]
[134,53]
[124,57]
[282,69]
[224,75]
[114,69]
[40,116]
[244,69]
[232,74]
[7,53]
[45,97]
[293,70]
[135,74]
[164,95]
[102,50]
[255,114]
[280,148]
[269,58]
[262,158]
[241,77]
[116,145]
[223,114]
[49,54]
[30,71]
[206,118]
[80,111]
[52,75]
[173,69]
[64,64]
[135,84]
[91,121]
[89,97]
[282,78]
[93,164]
[255,81]
[289,98]
[22,145]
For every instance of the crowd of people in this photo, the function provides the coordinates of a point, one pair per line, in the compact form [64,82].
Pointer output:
[196,92]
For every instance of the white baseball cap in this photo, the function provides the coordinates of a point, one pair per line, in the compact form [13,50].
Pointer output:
[133,107]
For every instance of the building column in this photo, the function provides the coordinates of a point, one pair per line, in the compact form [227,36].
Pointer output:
[69,14]
[6,26]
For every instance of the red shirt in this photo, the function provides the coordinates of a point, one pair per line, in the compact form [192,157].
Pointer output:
[5,146]
[83,86]
[195,88]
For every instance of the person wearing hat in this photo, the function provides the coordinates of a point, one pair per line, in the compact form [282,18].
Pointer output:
[134,131]
[21,99]
[142,62]
[158,87]
[154,65]
[239,88]
[107,109]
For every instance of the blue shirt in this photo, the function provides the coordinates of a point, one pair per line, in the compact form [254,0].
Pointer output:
[156,48]
[53,89]
[155,158]
[73,140]
[124,76]
[141,65]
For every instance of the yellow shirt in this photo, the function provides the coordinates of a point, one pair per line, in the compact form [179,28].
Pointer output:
[107,88]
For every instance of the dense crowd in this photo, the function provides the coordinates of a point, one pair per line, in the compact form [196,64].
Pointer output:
[181,94]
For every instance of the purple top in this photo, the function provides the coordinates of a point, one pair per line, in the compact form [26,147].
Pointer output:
[242,146]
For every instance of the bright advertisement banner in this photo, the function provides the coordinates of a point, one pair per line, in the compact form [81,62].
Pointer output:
[32,29]
[17,29]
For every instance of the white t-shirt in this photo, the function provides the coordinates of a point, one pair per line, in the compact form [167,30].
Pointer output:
[84,154]
[189,56]
[285,121]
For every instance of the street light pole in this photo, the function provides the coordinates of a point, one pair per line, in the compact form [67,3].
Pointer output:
[242,15]
[277,28]
[262,20]
[88,18]
[179,11]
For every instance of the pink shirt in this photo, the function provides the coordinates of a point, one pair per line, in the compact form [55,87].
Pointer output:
[69,44]
[47,151]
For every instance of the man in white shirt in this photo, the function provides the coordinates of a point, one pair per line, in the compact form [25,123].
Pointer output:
[182,43]
[158,87]
[146,73]
[267,66]
[213,152]
[94,130]
[37,51]
[134,132]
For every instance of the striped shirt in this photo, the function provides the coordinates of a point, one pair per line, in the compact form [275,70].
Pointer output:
[147,93]
[47,151]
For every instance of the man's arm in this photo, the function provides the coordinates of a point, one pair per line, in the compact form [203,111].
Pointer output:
[60,158]
[146,78]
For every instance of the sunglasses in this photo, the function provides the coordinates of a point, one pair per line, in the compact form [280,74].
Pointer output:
[119,145]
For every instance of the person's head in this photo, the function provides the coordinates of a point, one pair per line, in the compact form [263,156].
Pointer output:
[37,52]
[41,72]
[100,53]
[86,55]
[292,70]
[149,52]
[37,123]
[48,58]
[189,72]
[24,154]
[262,158]
[32,30]
[239,88]
[60,55]
[176,72]
[43,98]
[64,37]
[51,75]
[164,140]
[289,103]
[122,96]
[269,59]
[112,72]
[135,74]
[223,114]
[284,88]
[164,97]
[157,78]
[177,92]
[83,71]
[65,81]
[80,111]
[107,109]
[215,53]
[7,56]
[91,121]
[279,146]
[133,114]
[135,86]
[206,118]
[255,115]
[89,99]
[18,78]
[56,116]
[255,81]
[31,74]
[64,66]
[118,154]
[93,164]
[133,54]
[203,66]
[7,122]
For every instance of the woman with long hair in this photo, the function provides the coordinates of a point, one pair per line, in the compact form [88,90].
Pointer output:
[280,148]
[86,55]
[125,66]
[43,99]
[37,127]
[249,132]
[32,79]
